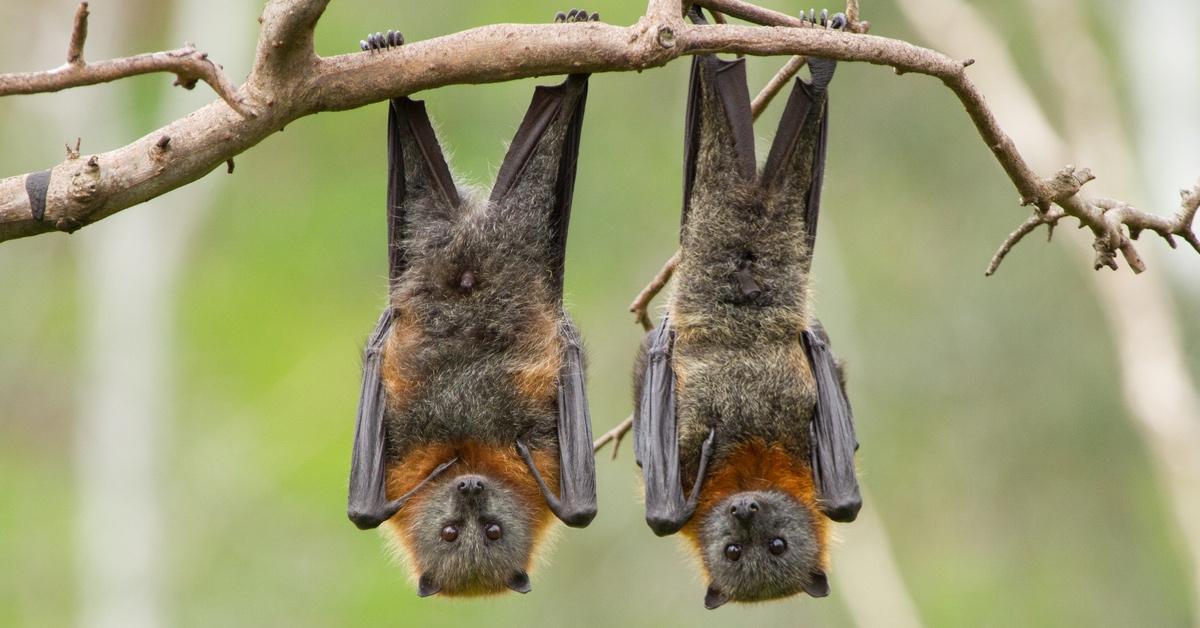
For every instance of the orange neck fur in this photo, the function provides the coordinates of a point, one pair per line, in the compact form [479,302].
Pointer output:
[759,466]
[500,463]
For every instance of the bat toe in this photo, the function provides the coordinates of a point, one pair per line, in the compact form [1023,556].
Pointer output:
[576,15]
[381,41]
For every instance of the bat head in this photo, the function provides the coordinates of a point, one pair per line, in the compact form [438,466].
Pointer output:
[471,534]
[761,545]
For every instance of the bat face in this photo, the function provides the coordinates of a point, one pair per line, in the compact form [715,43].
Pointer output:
[470,534]
[761,545]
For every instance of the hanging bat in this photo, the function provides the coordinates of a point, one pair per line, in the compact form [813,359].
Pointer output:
[739,403]
[473,428]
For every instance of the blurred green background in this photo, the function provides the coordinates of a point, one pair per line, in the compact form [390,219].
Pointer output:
[1010,483]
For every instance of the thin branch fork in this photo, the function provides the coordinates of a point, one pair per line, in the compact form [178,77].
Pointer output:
[613,436]
[187,64]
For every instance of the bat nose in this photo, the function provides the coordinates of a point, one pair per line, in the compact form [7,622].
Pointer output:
[470,485]
[744,509]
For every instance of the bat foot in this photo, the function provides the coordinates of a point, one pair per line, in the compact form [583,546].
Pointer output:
[822,69]
[381,41]
[576,15]
[836,22]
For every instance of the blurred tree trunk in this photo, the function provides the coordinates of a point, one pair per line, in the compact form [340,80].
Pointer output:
[1159,392]
[129,270]
[123,394]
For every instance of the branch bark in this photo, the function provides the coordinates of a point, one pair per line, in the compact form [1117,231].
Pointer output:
[289,81]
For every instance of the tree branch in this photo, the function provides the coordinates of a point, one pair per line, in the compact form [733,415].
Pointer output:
[78,34]
[639,305]
[187,64]
[289,81]
[613,436]
[777,82]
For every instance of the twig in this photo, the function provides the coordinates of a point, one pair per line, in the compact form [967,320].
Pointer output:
[639,305]
[78,34]
[853,24]
[1038,219]
[614,436]
[188,64]
[776,83]
[768,17]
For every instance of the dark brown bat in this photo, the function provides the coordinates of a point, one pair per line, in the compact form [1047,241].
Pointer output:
[738,399]
[473,427]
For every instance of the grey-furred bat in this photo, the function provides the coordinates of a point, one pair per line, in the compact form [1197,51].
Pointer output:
[741,423]
[473,430]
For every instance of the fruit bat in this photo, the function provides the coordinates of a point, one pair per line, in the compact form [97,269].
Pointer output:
[739,403]
[473,428]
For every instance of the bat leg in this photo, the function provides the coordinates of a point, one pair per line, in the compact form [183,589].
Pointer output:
[381,41]
[566,510]
[702,469]
[822,69]
[576,15]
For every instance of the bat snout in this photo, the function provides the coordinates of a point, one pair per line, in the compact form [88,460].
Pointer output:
[744,508]
[470,485]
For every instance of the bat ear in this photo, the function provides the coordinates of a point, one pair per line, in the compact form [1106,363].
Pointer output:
[718,140]
[537,175]
[419,181]
[427,586]
[714,597]
[817,584]
[519,582]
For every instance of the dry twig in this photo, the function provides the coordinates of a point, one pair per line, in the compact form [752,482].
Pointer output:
[642,302]
[187,64]
[613,436]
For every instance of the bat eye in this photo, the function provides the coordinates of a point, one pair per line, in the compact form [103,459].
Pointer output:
[777,546]
[493,532]
[450,534]
[733,551]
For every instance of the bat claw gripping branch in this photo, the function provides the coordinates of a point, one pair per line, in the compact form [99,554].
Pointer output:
[381,41]
[837,22]
[822,69]
[576,15]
